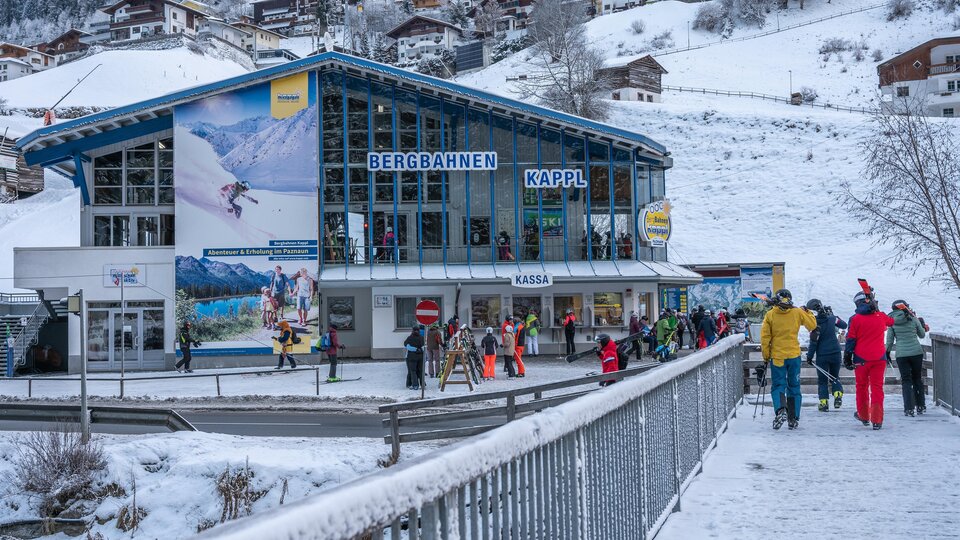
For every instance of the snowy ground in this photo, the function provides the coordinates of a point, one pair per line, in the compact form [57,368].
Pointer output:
[832,478]
[382,382]
[176,476]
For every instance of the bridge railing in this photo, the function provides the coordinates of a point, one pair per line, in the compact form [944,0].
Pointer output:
[946,371]
[610,464]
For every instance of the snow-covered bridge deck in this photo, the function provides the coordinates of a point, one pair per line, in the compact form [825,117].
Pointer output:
[831,478]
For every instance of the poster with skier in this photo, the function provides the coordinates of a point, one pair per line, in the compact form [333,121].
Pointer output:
[246,215]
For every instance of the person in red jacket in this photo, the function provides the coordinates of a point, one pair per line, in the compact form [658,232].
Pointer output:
[608,356]
[865,352]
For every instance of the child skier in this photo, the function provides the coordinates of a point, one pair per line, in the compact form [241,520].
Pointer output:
[780,345]
[489,344]
[285,339]
[826,347]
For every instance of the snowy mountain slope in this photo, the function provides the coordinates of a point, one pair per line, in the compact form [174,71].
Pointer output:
[760,181]
[223,139]
[123,77]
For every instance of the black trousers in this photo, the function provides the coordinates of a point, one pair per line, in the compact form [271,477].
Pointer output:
[679,339]
[571,348]
[333,365]
[185,361]
[508,363]
[289,357]
[636,348]
[414,369]
[911,380]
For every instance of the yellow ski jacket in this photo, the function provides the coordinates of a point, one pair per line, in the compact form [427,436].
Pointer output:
[778,336]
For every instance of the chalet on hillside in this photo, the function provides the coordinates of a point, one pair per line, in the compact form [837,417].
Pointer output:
[638,80]
[66,46]
[17,61]
[515,13]
[137,19]
[16,179]
[927,76]
[420,36]
[257,38]
[287,17]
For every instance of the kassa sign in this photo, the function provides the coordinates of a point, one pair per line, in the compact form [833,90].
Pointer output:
[531,280]
[655,223]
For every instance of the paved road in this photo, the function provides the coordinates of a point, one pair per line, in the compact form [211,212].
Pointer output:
[270,424]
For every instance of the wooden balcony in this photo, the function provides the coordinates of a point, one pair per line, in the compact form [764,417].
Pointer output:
[940,69]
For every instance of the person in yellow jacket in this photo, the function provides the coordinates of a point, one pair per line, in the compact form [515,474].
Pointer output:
[780,345]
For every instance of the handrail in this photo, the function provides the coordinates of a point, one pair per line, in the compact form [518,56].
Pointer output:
[946,371]
[123,380]
[756,95]
[610,464]
[19,298]
[28,334]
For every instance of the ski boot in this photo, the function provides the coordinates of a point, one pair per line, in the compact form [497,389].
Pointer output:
[792,419]
[864,422]
[877,425]
[837,399]
[337,379]
[780,418]
[908,412]
[921,409]
[824,406]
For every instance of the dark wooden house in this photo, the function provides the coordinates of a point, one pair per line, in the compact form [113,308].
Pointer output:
[17,180]
[639,80]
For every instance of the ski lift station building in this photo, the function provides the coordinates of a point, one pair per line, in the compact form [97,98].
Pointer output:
[372,189]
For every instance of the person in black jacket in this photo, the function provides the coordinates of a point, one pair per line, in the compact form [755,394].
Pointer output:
[708,328]
[185,340]
[414,346]
[695,327]
[826,347]
[489,345]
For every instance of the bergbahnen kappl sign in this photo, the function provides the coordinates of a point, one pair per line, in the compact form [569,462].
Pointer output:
[471,161]
[654,223]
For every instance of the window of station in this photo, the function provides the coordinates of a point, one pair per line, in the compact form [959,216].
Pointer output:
[562,303]
[485,311]
[138,176]
[340,312]
[608,309]
[121,230]
[523,305]
[405,308]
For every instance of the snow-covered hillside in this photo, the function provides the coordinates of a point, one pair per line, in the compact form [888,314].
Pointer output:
[757,181]
[123,77]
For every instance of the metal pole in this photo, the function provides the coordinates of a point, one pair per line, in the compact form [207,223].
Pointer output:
[790,71]
[688,34]
[84,412]
[123,319]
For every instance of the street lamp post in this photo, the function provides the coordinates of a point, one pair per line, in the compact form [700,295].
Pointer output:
[790,71]
[74,305]
[688,34]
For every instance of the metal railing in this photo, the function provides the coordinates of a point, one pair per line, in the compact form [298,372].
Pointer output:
[29,334]
[15,298]
[610,464]
[766,33]
[124,380]
[768,97]
[130,416]
[946,371]
[499,414]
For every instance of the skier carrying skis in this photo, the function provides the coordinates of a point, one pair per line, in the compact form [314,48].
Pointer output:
[905,334]
[780,346]
[608,356]
[826,347]
[865,353]
[231,192]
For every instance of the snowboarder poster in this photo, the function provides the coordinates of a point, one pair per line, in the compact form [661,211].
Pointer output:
[246,215]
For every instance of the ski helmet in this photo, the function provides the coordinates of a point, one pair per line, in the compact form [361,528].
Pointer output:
[508,329]
[245,185]
[814,305]
[784,296]
[860,298]
[603,339]
[489,330]
[902,303]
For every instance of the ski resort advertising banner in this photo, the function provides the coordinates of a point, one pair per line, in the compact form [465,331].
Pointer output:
[756,280]
[715,293]
[246,170]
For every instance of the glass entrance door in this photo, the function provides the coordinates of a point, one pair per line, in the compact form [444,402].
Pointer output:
[382,225]
[127,346]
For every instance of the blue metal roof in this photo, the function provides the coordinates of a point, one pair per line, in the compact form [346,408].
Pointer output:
[304,64]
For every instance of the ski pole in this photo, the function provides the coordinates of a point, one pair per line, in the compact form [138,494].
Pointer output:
[760,385]
[829,377]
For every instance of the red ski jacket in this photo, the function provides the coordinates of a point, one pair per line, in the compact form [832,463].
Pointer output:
[608,357]
[866,335]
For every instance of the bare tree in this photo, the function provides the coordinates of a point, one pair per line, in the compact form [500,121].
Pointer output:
[565,70]
[911,200]
[486,17]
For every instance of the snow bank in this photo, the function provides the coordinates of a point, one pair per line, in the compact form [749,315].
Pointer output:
[176,475]
[345,512]
[123,77]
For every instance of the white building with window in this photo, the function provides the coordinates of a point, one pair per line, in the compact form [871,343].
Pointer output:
[926,76]
[423,37]
[14,68]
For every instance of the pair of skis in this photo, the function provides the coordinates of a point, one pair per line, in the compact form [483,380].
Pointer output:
[583,354]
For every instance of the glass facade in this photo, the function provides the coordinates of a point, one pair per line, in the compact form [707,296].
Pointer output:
[455,217]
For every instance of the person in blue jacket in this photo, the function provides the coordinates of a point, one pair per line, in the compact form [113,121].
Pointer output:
[826,347]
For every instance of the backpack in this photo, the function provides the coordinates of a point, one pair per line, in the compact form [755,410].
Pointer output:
[623,356]
[324,343]
[294,338]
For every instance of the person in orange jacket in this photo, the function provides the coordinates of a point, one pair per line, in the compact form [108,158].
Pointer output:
[520,334]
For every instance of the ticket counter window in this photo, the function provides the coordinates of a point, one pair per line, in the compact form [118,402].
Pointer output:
[562,303]
[608,309]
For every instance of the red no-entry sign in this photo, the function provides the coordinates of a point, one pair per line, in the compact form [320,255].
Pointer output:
[428,312]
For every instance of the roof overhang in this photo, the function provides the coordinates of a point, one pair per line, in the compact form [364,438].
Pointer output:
[60,142]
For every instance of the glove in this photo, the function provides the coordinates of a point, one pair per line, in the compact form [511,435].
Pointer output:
[809,360]
[848,360]
[923,324]
[888,358]
[760,370]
